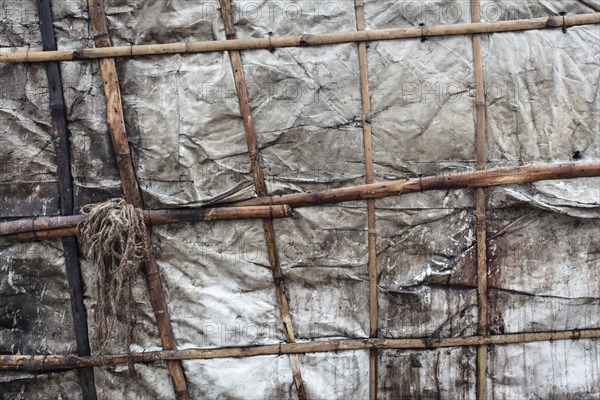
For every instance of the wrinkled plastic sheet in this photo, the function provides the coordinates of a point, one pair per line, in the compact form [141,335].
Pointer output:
[188,144]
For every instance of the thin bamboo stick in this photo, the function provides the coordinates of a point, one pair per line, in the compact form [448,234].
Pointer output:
[261,190]
[480,211]
[65,186]
[57,362]
[305,40]
[155,217]
[132,193]
[489,177]
[363,67]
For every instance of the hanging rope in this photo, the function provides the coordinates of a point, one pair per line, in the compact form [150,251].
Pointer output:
[113,236]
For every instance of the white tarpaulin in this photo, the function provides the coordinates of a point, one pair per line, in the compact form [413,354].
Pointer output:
[188,145]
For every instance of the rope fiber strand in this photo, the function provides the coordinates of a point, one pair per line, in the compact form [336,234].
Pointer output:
[113,237]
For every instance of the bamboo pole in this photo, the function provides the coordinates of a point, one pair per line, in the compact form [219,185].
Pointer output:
[46,234]
[550,22]
[489,177]
[482,178]
[114,107]
[132,193]
[155,217]
[65,186]
[261,190]
[482,292]
[480,209]
[53,362]
[363,67]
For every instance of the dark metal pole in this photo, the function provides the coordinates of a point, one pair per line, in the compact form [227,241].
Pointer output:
[65,186]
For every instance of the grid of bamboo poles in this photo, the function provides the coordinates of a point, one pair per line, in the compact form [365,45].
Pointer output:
[481,178]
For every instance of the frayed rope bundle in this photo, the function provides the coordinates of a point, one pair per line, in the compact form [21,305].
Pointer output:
[113,236]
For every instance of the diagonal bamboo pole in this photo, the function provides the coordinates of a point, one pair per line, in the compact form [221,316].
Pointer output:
[261,190]
[131,191]
[363,68]
[305,40]
[65,186]
[480,211]
[482,178]
[53,362]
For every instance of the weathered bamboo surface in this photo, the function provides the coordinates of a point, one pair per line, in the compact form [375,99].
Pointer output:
[261,190]
[303,40]
[114,107]
[56,362]
[155,217]
[483,178]
[132,193]
[363,68]
[46,234]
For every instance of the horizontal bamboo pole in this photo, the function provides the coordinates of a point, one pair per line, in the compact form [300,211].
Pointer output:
[301,40]
[47,234]
[481,178]
[57,362]
[155,217]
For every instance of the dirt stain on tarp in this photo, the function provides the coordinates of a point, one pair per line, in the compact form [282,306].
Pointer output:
[432,375]
[34,304]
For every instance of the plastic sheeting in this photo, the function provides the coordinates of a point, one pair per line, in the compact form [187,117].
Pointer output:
[188,144]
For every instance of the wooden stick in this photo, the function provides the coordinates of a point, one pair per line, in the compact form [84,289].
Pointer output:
[480,211]
[261,190]
[132,193]
[155,217]
[305,40]
[65,186]
[56,362]
[363,67]
[489,177]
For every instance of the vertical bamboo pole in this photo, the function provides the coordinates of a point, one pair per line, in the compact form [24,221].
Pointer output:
[131,191]
[65,186]
[480,211]
[261,190]
[369,176]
